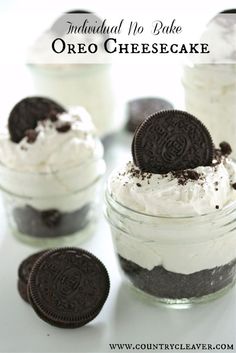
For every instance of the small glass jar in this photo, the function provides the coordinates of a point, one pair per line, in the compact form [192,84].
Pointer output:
[175,260]
[45,209]
[210,95]
[88,85]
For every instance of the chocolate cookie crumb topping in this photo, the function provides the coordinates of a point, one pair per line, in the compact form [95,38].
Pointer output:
[217,207]
[217,156]
[64,127]
[234,186]
[31,135]
[53,116]
[225,148]
[137,173]
[184,176]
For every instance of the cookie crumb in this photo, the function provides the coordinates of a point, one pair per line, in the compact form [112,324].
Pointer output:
[217,207]
[53,116]
[31,135]
[64,127]
[225,148]
[183,176]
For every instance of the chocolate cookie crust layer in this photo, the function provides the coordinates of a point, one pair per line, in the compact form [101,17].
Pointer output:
[170,285]
[50,223]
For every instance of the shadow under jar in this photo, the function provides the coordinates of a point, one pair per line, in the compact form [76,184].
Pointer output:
[175,260]
[45,209]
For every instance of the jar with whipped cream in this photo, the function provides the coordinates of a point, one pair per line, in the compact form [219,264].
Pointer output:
[88,85]
[210,94]
[77,79]
[210,81]
[175,234]
[50,179]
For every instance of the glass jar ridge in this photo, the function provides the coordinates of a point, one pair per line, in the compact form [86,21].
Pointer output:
[175,259]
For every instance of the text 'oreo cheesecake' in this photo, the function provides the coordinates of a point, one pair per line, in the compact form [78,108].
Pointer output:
[51,164]
[172,210]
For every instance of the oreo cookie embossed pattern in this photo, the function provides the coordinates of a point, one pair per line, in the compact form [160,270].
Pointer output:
[172,140]
[68,287]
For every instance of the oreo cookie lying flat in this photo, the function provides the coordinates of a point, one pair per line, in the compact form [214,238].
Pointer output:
[24,273]
[139,109]
[68,287]
[26,114]
[172,140]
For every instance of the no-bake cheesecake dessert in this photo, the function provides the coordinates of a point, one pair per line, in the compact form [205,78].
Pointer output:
[210,83]
[172,211]
[50,169]
[76,80]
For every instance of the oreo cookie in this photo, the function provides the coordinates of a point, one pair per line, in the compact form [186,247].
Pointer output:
[24,273]
[172,140]
[60,26]
[26,114]
[139,109]
[226,19]
[68,287]
[228,11]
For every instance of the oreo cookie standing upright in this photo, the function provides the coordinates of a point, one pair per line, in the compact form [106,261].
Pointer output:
[172,140]
[25,115]
[68,287]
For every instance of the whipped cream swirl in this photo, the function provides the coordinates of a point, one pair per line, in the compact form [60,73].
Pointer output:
[53,150]
[204,190]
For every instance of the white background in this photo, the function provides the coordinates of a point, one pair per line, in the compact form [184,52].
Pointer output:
[125,318]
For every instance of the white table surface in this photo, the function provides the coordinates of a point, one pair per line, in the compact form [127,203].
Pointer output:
[125,318]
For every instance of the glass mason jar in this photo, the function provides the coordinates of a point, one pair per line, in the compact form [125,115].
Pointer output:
[210,95]
[175,260]
[45,209]
[88,85]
